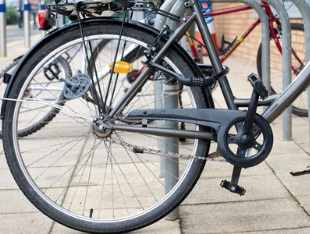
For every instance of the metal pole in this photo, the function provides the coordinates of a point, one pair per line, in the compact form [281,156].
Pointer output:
[27,40]
[170,96]
[167,99]
[286,64]
[2,29]
[158,85]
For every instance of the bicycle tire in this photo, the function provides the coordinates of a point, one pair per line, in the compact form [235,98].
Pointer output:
[41,121]
[61,177]
[300,105]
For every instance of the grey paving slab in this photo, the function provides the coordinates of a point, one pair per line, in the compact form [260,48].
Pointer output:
[261,187]
[299,230]
[14,202]
[237,217]
[161,227]
[25,223]
[6,179]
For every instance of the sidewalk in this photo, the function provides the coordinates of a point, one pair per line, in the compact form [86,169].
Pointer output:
[275,202]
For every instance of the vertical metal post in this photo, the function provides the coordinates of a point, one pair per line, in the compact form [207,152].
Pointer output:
[158,85]
[286,64]
[27,41]
[170,101]
[167,99]
[2,29]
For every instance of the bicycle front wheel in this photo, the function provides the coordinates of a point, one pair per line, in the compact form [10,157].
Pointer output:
[93,181]
[300,105]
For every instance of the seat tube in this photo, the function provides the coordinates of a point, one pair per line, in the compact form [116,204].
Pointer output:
[214,57]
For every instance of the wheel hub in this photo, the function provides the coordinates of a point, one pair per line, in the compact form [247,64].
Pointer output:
[100,129]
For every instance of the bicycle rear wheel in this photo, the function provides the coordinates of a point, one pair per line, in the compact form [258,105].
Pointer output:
[96,182]
[300,105]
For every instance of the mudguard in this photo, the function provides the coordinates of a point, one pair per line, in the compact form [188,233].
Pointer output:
[99,20]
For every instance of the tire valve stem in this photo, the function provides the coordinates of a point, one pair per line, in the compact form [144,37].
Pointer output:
[91,211]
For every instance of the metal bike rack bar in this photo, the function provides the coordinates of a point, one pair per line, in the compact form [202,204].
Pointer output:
[286,64]
[158,85]
[286,59]
[169,101]
[27,24]
[2,29]
[304,9]
[265,38]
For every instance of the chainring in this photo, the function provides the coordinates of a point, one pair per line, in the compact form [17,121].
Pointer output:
[249,154]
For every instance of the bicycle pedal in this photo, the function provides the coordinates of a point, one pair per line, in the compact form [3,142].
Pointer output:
[258,86]
[233,188]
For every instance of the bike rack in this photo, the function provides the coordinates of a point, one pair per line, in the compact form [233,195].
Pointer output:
[265,38]
[286,58]
[161,90]
[286,64]
[304,9]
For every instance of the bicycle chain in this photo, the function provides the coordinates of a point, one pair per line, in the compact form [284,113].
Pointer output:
[214,157]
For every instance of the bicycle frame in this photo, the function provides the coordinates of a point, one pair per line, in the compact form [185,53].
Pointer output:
[275,109]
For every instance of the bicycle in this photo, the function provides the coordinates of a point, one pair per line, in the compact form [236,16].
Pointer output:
[102,174]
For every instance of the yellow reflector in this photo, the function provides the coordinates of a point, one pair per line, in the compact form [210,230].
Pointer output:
[121,67]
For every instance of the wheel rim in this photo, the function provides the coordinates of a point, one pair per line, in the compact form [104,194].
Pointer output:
[61,178]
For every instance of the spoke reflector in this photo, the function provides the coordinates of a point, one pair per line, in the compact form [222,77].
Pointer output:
[121,67]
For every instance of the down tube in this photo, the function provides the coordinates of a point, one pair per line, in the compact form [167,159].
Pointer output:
[288,96]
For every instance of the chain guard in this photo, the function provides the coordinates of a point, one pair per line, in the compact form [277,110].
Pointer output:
[224,122]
